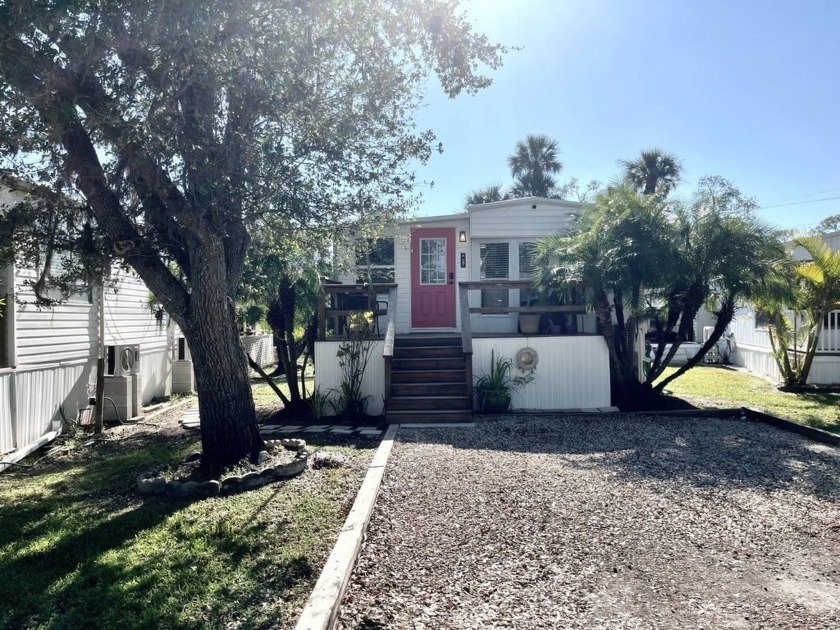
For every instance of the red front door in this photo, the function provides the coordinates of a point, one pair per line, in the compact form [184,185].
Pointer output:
[433,278]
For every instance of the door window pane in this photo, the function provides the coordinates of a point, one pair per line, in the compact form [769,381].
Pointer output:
[432,261]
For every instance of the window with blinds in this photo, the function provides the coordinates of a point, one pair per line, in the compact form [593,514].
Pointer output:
[494,264]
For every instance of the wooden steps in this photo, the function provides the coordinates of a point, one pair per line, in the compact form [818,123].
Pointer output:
[428,381]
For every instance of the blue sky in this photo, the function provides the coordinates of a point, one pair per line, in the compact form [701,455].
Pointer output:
[747,90]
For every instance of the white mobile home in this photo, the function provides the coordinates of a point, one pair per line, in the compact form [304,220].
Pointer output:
[48,355]
[463,283]
[752,339]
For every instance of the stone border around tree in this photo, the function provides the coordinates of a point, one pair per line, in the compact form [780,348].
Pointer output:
[149,483]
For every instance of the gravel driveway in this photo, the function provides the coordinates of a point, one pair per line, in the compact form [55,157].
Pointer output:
[602,522]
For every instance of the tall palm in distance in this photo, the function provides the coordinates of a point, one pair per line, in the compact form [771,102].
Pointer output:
[533,165]
[653,172]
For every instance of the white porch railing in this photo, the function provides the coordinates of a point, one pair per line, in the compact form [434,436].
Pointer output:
[829,340]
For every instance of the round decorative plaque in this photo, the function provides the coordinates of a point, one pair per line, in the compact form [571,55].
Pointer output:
[527,359]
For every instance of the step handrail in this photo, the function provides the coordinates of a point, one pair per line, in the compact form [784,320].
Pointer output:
[390,338]
[466,334]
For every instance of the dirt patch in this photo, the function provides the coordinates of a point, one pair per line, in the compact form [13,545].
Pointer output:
[603,522]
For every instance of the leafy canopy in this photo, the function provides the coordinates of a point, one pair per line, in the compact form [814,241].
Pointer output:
[182,121]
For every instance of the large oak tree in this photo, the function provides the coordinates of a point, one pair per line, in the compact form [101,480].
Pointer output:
[182,124]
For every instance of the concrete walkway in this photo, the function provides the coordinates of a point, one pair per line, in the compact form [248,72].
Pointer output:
[191,420]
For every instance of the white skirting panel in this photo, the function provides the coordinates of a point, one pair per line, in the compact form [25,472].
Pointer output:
[756,359]
[328,374]
[825,370]
[573,371]
[38,395]
[156,370]
[7,442]
[260,348]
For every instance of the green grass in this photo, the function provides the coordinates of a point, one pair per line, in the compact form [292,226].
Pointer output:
[720,387]
[264,396]
[79,548]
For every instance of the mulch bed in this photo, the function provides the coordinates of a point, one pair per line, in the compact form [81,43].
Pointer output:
[602,522]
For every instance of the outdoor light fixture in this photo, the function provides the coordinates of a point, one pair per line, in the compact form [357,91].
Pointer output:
[462,237]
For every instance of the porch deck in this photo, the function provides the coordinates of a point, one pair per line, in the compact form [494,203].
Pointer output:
[433,382]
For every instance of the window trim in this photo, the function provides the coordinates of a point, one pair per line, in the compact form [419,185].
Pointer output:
[513,268]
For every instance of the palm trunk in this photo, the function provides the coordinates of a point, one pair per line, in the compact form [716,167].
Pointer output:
[723,318]
[810,352]
[603,313]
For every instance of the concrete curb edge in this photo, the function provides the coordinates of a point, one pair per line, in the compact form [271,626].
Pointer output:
[818,435]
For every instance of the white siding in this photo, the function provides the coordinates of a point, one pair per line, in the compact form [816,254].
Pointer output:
[757,360]
[66,332]
[745,331]
[572,373]
[56,350]
[518,219]
[156,372]
[402,275]
[328,374]
[754,352]
[128,319]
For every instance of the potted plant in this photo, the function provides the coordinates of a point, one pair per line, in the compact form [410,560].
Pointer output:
[494,388]
[529,323]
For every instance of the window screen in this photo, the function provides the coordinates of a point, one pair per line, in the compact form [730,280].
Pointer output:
[494,265]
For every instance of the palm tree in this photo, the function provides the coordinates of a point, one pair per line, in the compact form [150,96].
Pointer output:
[816,292]
[533,164]
[654,171]
[488,194]
[615,259]
[721,260]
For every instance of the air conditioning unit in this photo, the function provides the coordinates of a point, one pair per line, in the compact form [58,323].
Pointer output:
[123,360]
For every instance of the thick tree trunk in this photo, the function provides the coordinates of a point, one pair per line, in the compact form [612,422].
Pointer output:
[229,430]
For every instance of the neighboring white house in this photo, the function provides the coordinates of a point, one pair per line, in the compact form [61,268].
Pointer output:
[48,356]
[433,261]
[753,351]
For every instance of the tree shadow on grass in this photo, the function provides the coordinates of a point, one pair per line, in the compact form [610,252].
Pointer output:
[703,452]
[80,548]
[79,559]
